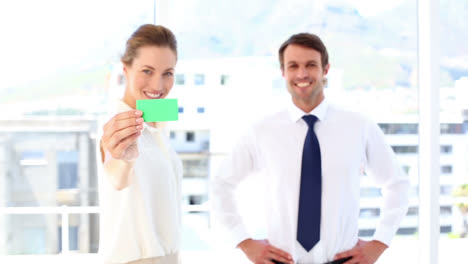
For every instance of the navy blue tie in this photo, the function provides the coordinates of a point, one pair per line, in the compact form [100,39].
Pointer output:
[310,196]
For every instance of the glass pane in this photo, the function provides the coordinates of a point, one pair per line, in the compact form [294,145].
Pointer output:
[29,234]
[59,68]
[83,233]
[69,50]
[49,168]
[454,131]
[196,233]
[373,56]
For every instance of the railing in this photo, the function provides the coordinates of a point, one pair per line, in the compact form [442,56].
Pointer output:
[65,212]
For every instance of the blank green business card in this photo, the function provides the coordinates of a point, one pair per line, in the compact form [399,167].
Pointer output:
[156,110]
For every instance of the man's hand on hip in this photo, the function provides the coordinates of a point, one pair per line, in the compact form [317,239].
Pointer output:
[365,252]
[261,252]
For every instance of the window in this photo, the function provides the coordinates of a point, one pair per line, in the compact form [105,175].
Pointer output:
[413,211]
[405,149]
[369,212]
[399,128]
[446,210]
[386,42]
[67,169]
[446,169]
[181,109]
[180,79]
[52,157]
[446,190]
[451,128]
[383,36]
[199,79]
[68,175]
[446,149]
[445,229]
[413,128]
[224,79]
[196,168]
[200,110]
[370,192]
[406,168]
[172,135]
[72,237]
[33,158]
[366,232]
[195,199]
[190,137]
[407,230]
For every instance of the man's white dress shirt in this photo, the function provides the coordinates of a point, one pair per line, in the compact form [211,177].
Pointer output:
[349,143]
[143,220]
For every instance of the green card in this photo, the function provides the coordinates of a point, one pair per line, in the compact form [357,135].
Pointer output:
[156,110]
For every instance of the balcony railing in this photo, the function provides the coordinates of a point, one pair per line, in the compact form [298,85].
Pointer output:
[65,211]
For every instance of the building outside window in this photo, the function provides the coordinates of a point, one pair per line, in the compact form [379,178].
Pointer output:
[190,136]
[67,163]
[224,79]
[383,36]
[180,79]
[446,169]
[199,79]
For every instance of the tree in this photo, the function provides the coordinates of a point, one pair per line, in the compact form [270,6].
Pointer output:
[462,192]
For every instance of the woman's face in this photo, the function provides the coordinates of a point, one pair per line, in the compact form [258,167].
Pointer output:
[151,74]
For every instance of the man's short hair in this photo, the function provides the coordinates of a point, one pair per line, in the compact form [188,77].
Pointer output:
[306,40]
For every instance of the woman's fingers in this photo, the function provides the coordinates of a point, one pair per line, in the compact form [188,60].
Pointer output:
[119,136]
[119,124]
[120,127]
[124,144]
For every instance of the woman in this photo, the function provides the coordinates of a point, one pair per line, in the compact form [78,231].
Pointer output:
[140,187]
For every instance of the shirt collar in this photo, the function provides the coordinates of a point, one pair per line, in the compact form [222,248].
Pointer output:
[320,111]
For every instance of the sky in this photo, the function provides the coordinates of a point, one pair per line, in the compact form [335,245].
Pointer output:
[41,37]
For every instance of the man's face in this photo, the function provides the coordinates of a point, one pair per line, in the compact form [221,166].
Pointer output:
[304,74]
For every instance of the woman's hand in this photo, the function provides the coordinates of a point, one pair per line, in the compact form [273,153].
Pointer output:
[120,135]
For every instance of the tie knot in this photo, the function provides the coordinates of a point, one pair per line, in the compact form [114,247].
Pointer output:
[310,120]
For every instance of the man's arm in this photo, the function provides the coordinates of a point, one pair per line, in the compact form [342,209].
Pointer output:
[384,168]
[233,170]
[242,161]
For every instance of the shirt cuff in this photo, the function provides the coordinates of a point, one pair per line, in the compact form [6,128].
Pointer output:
[239,234]
[384,235]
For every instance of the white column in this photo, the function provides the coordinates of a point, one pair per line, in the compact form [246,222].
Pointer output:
[429,130]
[3,194]
[65,226]
[84,189]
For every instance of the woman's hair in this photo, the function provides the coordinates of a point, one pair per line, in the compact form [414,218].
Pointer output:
[148,35]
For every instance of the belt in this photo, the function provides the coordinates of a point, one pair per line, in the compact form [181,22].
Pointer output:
[338,261]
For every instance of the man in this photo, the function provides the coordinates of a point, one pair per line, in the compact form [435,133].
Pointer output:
[312,156]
